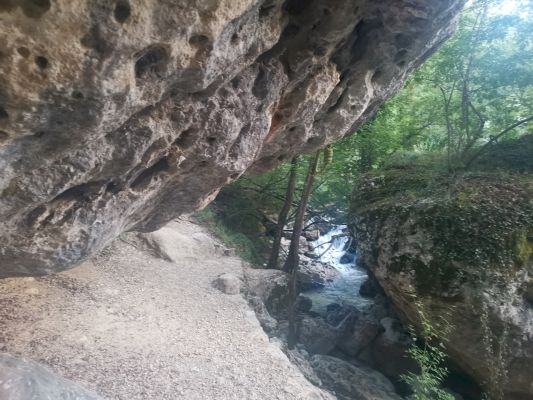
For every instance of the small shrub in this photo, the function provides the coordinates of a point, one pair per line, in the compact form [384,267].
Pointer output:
[244,246]
[429,354]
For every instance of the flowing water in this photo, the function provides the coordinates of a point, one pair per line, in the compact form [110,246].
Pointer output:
[345,288]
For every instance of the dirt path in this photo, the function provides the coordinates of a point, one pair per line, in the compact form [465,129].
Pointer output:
[131,325]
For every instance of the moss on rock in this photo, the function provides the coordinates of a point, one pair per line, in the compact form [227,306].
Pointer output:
[480,224]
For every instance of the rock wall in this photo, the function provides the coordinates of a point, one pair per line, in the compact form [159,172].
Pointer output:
[120,115]
[459,254]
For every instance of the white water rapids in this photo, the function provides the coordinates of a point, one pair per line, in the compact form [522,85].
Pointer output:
[345,288]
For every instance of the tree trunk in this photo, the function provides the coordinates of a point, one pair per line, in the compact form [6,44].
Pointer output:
[282,218]
[291,264]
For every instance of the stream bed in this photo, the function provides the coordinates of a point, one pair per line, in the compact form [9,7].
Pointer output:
[345,287]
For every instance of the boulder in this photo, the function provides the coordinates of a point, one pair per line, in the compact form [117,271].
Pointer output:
[228,283]
[317,335]
[303,304]
[119,116]
[323,227]
[269,324]
[312,234]
[169,243]
[364,331]
[313,274]
[465,256]
[300,358]
[23,379]
[369,288]
[389,350]
[352,382]
[343,317]
[270,286]
[347,258]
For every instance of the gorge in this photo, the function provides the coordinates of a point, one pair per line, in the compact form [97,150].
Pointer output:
[146,155]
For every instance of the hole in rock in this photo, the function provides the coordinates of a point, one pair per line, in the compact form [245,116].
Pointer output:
[234,38]
[261,84]
[145,177]
[112,187]
[235,82]
[292,129]
[41,62]
[296,7]
[199,40]
[76,94]
[6,5]
[265,10]
[377,74]
[39,134]
[402,40]
[202,45]
[291,30]
[211,140]
[282,157]
[401,64]
[3,113]
[96,40]
[35,8]
[320,51]
[35,214]
[80,192]
[338,102]
[362,30]
[313,140]
[151,61]
[23,51]
[400,56]
[122,11]
[203,164]
[185,139]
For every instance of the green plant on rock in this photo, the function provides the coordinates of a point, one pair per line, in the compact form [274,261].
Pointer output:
[244,246]
[428,352]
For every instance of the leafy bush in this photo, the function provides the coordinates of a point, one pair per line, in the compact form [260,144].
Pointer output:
[243,245]
[430,357]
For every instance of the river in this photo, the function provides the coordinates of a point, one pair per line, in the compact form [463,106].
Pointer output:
[345,288]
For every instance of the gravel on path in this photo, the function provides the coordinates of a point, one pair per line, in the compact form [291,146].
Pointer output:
[145,322]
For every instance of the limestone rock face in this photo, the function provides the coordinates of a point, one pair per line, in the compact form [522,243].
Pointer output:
[120,115]
[459,256]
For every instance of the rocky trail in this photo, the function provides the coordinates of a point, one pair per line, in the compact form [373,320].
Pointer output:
[142,320]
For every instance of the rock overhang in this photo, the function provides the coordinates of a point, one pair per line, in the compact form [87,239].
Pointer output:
[118,116]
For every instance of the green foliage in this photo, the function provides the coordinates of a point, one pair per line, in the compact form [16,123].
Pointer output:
[245,247]
[479,223]
[474,87]
[471,89]
[428,353]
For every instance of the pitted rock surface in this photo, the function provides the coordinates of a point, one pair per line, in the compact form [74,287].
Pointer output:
[120,115]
